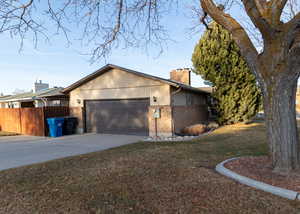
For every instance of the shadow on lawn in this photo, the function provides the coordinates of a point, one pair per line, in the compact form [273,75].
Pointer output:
[225,142]
[163,177]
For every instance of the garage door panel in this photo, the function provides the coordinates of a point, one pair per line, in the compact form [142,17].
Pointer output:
[117,116]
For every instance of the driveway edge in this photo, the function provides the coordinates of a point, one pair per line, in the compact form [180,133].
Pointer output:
[285,193]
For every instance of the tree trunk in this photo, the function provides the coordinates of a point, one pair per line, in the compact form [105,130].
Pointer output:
[279,106]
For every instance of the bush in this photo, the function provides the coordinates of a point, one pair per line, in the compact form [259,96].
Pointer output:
[195,130]
[218,60]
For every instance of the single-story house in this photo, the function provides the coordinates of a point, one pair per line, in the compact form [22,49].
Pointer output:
[2,105]
[122,101]
[41,98]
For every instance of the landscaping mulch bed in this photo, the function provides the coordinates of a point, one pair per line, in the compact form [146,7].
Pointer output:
[260,169]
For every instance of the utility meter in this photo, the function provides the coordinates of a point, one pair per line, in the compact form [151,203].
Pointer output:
[156,113]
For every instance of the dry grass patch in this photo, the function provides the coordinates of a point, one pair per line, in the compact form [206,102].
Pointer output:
[145,178]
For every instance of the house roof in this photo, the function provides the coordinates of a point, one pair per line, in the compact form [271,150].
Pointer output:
[108,67]
[207,89]
[3,97]
[50,92]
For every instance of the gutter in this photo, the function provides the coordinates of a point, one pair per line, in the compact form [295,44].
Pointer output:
[18,100]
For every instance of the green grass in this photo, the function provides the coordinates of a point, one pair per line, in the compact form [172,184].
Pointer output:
[145,178]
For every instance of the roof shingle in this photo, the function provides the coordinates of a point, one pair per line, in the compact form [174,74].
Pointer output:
[31,95]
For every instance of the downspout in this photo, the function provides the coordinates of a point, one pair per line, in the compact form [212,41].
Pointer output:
[44,101]
[172,112]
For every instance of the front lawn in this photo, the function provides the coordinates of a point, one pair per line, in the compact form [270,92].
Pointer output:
[145,178]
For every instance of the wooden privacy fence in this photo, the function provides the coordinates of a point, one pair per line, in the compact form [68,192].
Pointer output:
[29,121]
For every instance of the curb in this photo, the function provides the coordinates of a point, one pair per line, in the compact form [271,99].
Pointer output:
[289,194]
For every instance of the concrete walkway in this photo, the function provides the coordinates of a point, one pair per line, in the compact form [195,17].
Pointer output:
[18,151]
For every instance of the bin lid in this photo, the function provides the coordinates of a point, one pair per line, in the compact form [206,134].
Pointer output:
[70,118]
[55,119]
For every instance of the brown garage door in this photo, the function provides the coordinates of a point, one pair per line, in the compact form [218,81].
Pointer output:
[117,116]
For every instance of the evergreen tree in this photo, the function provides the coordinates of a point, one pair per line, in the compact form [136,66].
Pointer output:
[218,60]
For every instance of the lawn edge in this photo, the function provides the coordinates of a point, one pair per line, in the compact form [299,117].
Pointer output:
[285,193]
[187,139]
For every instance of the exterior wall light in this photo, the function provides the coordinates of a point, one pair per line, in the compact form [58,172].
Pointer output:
[78,101]
[154,99]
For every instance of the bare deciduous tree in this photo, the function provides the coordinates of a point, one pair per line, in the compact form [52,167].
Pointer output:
[277,69]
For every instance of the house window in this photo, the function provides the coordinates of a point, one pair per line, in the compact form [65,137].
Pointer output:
[56,102]
[189,100]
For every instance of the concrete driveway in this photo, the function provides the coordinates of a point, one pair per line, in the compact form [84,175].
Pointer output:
[18,151]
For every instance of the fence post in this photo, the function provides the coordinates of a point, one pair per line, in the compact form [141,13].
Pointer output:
[44,121]
[20,120]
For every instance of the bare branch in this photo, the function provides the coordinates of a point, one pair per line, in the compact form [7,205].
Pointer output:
[259,15]
[107,25]
[16,18]
[292,28]
[203,20]
[276,7]
[295,21]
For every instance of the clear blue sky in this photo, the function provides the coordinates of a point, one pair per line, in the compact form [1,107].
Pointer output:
[60,65]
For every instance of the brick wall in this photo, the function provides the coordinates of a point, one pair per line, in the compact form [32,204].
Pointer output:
[181,75]
[164,123]
[184,116]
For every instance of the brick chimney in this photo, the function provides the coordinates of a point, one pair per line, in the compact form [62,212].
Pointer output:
[181,75]
[38,86]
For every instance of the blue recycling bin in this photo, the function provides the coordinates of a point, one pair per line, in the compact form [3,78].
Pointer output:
[55,126]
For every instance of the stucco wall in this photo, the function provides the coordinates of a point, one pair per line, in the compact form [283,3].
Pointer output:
[187,98]
[78,112]
[118,84]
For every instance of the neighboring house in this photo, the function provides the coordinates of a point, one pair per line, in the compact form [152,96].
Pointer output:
[41,96]
[122,101]
[3,105]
